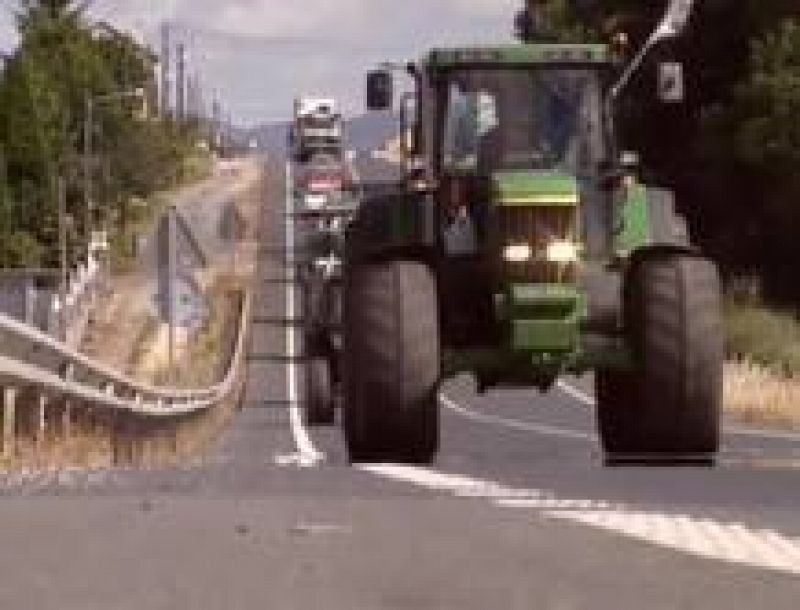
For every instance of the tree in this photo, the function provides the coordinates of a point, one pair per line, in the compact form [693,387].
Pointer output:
[733,148]
[63,60]
[767,141]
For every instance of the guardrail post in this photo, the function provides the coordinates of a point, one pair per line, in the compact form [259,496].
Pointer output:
[119,440]
[66,414]
[41,424]
[135,438]
[112,420]
[9,422]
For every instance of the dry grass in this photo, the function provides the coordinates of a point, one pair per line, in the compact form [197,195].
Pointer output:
[762,375]
[762,335]
[97,439]
[100,443]
[757,395]
[212,351]
[202,359]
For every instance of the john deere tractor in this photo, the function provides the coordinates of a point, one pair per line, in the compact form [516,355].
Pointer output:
[521,246]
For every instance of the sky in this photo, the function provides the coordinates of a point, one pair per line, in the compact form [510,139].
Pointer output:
[259,54]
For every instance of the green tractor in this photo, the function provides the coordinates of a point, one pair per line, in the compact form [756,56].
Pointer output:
[520,246]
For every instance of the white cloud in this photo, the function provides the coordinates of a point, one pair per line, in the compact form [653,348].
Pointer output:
[273,48]
[8,37]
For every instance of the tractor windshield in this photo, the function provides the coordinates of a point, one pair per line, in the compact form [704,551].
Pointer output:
[507,119]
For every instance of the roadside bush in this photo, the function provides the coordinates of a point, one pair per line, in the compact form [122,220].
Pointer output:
[757,334]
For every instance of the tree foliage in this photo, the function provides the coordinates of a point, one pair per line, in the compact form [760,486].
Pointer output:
[732,151]
[61,61]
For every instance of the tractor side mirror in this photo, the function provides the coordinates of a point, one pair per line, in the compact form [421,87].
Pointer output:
[380,90]
[671,85]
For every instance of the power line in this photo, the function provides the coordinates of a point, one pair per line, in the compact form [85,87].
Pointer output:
[180,83]
[166,52]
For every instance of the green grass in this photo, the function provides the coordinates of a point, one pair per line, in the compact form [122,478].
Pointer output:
[764,336]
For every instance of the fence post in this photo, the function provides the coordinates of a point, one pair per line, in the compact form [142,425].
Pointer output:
[9,422]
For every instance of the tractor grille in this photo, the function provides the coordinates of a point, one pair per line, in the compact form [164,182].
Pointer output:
[536,226]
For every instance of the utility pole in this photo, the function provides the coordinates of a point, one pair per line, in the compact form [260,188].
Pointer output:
[193,96]
[216,121]
[3,176]
[61,194]
[180,84]
[166,58]
[189,97]
[172,272]
[229,130]
[88,195]
[199,97]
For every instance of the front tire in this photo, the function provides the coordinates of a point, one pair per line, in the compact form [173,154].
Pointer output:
[320,409]
[314,316]
[670,406]
[391,363]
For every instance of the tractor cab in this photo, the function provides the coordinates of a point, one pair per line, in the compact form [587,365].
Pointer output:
[519,114]
[506,139]
[517,128]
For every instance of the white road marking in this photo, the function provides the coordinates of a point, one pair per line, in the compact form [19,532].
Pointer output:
[760,463]
[733,543]
[307,454]
[575,393]
[728,542]
[320,529]
[573,435]
[775,435]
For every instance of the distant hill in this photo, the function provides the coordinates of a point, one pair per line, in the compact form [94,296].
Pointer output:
[271,137]
[371,131]
[364,133]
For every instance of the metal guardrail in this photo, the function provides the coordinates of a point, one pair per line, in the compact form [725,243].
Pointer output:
[59,374]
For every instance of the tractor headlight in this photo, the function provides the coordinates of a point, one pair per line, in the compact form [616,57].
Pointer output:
[563,252]
[518,253]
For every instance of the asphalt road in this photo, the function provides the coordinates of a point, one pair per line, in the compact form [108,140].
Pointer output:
[517,512]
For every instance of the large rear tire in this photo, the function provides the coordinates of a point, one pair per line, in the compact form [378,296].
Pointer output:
[669,407]
[391,363]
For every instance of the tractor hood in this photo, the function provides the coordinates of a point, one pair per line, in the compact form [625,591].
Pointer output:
[531,189]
